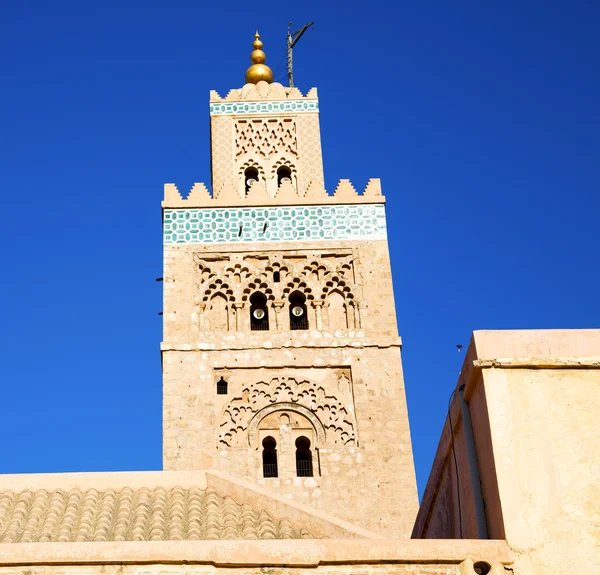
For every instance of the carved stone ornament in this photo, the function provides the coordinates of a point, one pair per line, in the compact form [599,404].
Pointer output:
[222,281]
[332,420]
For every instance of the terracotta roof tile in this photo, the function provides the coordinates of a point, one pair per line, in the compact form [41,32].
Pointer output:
[143,514]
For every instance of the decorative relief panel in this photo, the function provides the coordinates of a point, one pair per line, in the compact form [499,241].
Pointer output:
[309,141]
[333,422]
[274,224]
[266,137]
[222,155]
[296,106]
[224,284]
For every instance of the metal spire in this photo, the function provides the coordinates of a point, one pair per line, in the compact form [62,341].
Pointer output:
[292,40]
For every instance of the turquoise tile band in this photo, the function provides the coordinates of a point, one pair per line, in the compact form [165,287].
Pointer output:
[228,108]
[274,224]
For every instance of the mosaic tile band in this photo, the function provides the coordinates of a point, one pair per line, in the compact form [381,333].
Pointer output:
[296,106]
[276,224]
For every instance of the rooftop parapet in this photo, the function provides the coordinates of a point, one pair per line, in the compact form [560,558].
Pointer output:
[286,195]
[263,91]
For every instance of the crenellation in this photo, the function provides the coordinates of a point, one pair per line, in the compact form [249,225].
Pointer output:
[173,196]
[263,91]
[198,194]
[345,191]
[373,189]
[287,195]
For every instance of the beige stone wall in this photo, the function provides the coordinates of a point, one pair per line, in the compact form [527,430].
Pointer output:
[411,569]
[546,434]
[300,557]
[369,483]
[183,299]
[535,407]
[364,469]
[447,510]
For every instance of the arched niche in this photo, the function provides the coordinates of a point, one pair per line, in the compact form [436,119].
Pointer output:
[336,311]
[293,407]
[218,318]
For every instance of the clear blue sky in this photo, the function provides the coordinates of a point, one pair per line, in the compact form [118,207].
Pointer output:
[481,118]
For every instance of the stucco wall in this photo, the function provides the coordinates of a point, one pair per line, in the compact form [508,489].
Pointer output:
[447,510]
[535,406]
[546,433]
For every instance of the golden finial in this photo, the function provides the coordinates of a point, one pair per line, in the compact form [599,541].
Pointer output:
[259,70]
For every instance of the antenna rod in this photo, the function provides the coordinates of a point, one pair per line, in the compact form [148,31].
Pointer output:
[292,40]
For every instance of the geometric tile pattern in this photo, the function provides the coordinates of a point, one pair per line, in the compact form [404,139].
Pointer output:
[296,106]
[274,224]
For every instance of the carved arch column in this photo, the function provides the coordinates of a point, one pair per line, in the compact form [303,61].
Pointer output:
[317,305]
[358,307]
[201,315]
[277,307]
[242,323]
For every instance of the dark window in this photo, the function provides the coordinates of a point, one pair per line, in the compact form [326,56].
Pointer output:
[221,387]
[298,315]
[482,568]
[259,313]
[276,277]
[250,176]
[284,174]
[269,456]
[304,466]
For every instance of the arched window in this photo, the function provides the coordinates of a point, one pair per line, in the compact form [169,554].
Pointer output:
[304,466]
[298,315]
[259,313]
[269,457]
[250,176]
[221,386]
[284,174]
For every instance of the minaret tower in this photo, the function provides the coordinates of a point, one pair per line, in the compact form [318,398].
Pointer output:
[281,354]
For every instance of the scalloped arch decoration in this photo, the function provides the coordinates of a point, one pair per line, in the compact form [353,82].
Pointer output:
[334,416]
[285,406]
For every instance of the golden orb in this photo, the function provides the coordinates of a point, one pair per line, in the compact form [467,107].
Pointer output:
[259,71]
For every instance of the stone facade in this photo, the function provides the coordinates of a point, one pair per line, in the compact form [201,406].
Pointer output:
[332,378]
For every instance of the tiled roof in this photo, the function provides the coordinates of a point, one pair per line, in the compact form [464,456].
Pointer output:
[127,514]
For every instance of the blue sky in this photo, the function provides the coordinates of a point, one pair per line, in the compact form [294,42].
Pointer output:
[481,118]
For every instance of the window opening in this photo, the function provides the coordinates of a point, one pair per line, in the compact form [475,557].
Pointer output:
[304,467]
[269,457]
[259,313]
[284,174]
[221,387]
[276,277]
[482,568]
[298,315]
[250,177]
